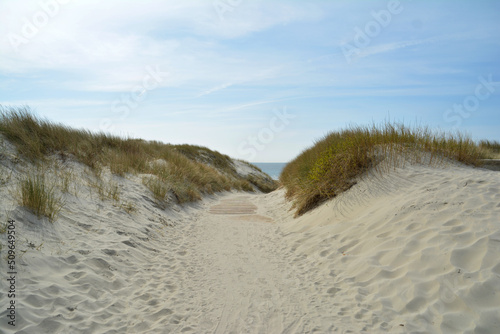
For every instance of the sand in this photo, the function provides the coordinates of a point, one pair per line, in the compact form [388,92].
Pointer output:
[415,250]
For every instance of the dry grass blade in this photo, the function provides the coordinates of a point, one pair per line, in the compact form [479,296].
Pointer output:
[491,149]
[36,194]
[158,188]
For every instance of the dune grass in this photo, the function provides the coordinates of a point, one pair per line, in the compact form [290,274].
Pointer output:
[334,163]
[106,190]
[206,156]
[188,171]
[264,185]
[491,149]
[158,188]
[37,194]
[128,207]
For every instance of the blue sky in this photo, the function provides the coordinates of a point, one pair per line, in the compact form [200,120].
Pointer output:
[257,80]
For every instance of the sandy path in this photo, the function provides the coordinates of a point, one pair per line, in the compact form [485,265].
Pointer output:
[218,266]
[242,278]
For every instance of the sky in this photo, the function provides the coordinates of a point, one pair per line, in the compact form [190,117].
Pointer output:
[257,80]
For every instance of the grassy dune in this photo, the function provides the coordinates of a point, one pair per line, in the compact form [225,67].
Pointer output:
[332,165]
[491,149]
[185,171]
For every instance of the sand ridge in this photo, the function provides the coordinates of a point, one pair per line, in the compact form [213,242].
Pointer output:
[414,251]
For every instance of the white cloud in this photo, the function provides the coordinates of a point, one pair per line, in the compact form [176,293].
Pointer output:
[258,53]
[215,89]
[105,46]
[389,47]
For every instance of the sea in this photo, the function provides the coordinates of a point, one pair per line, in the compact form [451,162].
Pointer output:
[273,169]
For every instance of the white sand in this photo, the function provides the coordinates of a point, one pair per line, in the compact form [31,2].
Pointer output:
[416,251]
[419,247]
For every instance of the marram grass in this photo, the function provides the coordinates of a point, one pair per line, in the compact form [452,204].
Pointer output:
[491,149]
[335,162]
[158,188]
[186,171]
[37,194]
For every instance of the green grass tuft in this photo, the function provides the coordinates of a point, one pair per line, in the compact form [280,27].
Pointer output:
[36,194]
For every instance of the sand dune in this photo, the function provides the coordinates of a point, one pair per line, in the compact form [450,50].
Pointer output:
[414,251]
